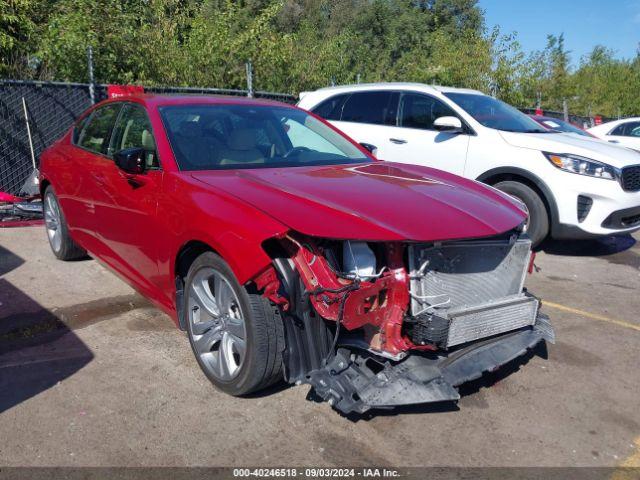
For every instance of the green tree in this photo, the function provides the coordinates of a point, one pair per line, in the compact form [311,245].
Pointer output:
[16,32]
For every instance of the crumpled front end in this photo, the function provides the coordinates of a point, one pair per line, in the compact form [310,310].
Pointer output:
[381,324]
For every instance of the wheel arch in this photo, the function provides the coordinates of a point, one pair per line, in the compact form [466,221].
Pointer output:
[44,183]
[183,260]
[496,175]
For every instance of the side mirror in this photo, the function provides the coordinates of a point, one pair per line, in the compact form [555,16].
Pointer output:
[448,124]
[131,160]
[372,149]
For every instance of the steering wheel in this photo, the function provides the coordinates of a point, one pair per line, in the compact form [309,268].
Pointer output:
[296,150]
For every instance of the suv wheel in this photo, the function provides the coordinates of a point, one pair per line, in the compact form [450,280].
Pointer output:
[60,241]
[538,223]
[237,337]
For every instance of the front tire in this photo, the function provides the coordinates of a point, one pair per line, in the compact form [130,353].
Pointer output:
[538,223]
[237,337]
[61,243]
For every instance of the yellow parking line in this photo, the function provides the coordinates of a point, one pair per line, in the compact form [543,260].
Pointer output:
[627,469]
[634,459]
[593,316]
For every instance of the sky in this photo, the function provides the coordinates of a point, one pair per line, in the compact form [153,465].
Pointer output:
[585,23]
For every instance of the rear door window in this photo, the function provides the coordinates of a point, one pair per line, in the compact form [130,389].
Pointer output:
[97,132]
[378,108]
[420,111]
[628,129]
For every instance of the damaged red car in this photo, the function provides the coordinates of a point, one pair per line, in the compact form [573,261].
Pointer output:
[287,251]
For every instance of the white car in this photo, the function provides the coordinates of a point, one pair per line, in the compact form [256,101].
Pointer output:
[625,132]
[573,187]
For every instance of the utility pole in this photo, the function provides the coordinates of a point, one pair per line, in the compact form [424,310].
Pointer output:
[92,90]
[249,70]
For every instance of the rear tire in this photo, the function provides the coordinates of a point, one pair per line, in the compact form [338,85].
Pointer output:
[61,243]
[237,337]
[538,223]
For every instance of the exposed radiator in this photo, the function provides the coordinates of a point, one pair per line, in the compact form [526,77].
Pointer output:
[473,287]
[487,320]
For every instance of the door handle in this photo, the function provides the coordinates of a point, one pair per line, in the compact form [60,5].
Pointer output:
[614,141]
[397,141]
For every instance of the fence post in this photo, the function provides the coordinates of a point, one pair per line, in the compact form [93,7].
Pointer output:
[92,92]
[249,69]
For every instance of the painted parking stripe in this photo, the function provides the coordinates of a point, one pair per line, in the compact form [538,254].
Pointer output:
[593,316]
[628,470]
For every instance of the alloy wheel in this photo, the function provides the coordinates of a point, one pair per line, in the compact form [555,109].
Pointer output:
[217,325]
[52,222]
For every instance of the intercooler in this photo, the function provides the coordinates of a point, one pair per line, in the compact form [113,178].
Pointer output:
[464,291]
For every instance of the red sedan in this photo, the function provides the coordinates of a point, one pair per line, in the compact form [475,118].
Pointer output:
[286,250]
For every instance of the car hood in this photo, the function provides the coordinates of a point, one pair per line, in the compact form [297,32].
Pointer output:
[381,201]
[593,148]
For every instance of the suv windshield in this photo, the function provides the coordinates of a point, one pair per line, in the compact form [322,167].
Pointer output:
[493,113]
[213,137]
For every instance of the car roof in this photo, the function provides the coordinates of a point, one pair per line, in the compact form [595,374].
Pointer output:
[158,100]
[394,86]
[623,120]
[608,126]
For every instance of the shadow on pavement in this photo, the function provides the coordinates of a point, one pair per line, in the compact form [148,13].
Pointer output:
[37,350]
[598,247]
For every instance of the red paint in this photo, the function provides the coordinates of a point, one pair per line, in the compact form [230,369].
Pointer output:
[137,224]
[21,223]
[532,264]
[269,284]
[375,201]
[8,198]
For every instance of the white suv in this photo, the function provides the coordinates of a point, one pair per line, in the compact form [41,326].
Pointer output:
[573,187]
[624,132]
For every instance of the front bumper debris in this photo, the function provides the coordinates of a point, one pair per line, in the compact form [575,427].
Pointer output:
[355,382]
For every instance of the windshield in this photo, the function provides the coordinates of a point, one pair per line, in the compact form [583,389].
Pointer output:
[213,137]
[493,113]
[561,126]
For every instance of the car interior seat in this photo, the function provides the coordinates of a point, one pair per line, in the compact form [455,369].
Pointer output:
[241,148]
[197,150]
[149,144]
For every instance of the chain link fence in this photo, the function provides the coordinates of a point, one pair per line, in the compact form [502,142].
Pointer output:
[52,107]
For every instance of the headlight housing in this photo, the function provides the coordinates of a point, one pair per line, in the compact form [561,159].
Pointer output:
[582,166]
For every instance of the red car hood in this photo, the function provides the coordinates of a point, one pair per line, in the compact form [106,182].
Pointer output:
[377,201]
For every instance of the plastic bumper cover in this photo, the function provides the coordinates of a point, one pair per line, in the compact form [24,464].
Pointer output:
[350,385]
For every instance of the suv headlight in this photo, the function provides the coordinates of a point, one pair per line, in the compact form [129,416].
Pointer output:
[582,165]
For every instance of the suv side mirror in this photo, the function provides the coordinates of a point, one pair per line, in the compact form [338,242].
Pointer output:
[448,124]
[131,160]
[372,149]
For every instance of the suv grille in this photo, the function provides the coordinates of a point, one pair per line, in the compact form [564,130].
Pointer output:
[631,178]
